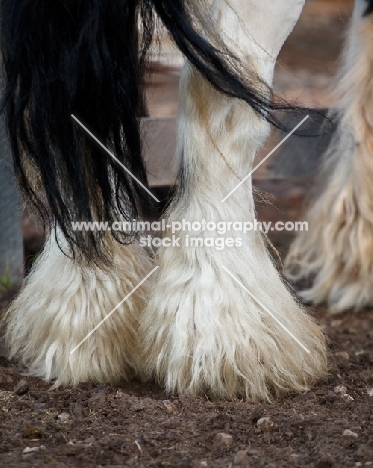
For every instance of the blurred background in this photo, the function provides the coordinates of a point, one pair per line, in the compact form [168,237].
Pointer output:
[304,74]
[307,61]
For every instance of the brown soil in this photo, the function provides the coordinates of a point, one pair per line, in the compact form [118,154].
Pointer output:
[137,425]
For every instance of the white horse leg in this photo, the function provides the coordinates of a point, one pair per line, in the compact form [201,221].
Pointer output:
[337,251]
[202,331]
[62,301]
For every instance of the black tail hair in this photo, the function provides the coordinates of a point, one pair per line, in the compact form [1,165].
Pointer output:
[369,9]
[87,57]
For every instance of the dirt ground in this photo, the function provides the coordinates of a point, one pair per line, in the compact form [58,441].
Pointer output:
[138,425]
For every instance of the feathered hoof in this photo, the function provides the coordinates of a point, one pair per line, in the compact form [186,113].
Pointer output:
[62,302]
[203,333]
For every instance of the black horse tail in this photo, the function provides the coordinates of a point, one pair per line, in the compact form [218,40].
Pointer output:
[86,58]
[77,57]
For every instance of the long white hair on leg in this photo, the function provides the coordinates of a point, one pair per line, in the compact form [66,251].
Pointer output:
[202,331]
[336,252]
[63,300]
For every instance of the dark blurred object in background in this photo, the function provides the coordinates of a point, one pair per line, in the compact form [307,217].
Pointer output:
[11,238]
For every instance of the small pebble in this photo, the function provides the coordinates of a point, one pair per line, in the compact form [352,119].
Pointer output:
[63,417]
[33,449]
[90,440]
[265,424]
[370,392]
[340,389]
[22,387]
[170,407]
[348,433]
[224,439]
[347,397]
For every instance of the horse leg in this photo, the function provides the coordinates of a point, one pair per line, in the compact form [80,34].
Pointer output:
[62,301]
[337,251]
[220,320]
